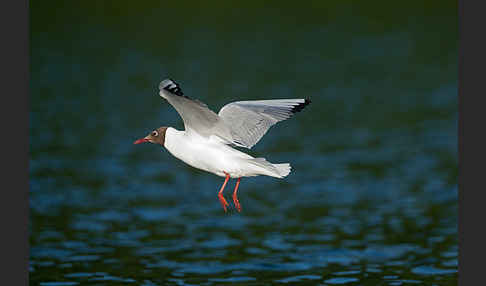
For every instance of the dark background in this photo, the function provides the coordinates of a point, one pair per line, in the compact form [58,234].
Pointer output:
[372,199]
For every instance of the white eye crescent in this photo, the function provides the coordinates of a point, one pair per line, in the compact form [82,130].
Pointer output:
[155,133]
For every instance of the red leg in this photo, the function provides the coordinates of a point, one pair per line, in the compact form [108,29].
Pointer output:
[235,198]
[224,203]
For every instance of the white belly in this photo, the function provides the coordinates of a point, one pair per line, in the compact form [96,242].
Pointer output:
[209,155]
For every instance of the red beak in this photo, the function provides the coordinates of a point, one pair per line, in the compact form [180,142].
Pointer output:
[142,140]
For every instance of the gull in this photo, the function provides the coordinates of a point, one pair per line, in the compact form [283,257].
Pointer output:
[208,141]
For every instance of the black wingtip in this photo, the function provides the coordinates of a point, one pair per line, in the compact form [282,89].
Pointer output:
[171,86]
[300,106]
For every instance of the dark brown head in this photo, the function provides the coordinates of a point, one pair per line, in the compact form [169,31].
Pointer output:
[157,137]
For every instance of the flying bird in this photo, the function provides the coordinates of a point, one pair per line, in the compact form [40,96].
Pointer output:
[208,139]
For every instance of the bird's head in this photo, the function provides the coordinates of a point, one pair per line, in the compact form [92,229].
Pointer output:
[157,137]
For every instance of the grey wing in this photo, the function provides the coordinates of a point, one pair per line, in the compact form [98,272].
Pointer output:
[248,121]
[196,115]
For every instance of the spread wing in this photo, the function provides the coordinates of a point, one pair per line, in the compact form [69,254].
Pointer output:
[250,120]
[241,123]
[196,115]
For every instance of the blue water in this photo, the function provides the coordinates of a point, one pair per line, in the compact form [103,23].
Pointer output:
[372,197]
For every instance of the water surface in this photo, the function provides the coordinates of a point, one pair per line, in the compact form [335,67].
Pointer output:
[371,200]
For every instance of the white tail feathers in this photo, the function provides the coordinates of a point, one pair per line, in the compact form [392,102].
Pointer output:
[283,169]
[269,169]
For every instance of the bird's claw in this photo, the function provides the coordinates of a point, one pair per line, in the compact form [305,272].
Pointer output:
[224,203]
[237,203]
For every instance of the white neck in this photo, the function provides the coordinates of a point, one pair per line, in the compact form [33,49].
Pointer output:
[172,139]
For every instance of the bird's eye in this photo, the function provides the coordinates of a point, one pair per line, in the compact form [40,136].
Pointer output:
[155,133]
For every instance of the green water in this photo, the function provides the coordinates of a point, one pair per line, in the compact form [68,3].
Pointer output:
[371,200]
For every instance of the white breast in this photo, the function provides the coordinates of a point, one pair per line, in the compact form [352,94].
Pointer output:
[207,154]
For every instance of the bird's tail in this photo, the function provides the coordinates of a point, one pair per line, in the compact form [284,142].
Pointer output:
[283,169]
[273,170]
